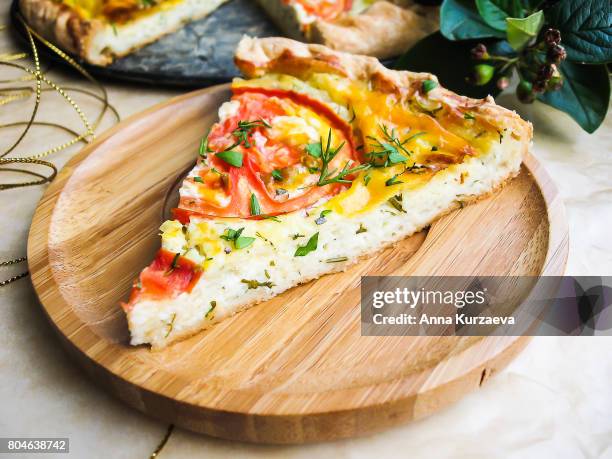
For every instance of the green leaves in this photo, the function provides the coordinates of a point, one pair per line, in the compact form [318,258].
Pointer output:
[586,29]
[314,149]
[428,85]
[584,95]
[310,246]
[255,208]
[509,38]
[231,157]
[452,64]
[459,21]
[521,31]
[495,12]
[277,175]
[235,236]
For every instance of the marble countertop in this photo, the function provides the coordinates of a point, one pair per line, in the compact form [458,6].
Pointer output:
[554,400]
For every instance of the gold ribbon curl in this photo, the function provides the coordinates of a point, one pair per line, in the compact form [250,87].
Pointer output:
[21,92]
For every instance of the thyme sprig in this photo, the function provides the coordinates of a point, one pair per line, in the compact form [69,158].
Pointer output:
[244,131]
[390,150]
[326,155]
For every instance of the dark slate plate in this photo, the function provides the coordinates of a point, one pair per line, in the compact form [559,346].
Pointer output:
[199,54]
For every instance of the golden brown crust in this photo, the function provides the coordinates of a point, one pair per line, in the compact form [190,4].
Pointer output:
[384,30]
[256,57]
[62,26]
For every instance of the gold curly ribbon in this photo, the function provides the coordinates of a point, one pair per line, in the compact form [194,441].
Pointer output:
[163,442]
[20,93]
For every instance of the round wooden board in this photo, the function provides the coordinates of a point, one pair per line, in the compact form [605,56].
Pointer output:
[291,370]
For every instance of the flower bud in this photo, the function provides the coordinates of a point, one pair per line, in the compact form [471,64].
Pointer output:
[552,37]
[556,54]
[539,86]
[555,83]
[479,52]
[546,71]
[524,92]
[503,83]
[483,73]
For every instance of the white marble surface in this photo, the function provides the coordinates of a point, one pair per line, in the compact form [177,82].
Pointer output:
[554,400]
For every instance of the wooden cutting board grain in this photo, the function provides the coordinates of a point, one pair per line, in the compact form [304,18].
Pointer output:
[294,369]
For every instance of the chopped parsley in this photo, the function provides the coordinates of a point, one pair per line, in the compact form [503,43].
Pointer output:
[336,260]
[277,175]
[170,325]
[253,284]
[231,157]
[428,85]
[394,180]
[322,219]
[210,312]
[396,202]
[468,116]
[198,179]
[297,235]
[310,246]
[243,131]
[254,205]
[235,236]
[361,229]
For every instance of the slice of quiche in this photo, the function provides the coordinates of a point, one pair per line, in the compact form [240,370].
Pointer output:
[100,30]
[377,28]
[319,158]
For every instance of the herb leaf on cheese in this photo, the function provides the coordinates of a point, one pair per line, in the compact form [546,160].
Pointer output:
[310,246]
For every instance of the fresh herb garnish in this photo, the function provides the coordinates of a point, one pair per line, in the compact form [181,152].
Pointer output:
[210,312]
[327,154]
[394,180]
[173,265]
[243,131]
[277,175]
[396,202]
[297,235]
[390,150]
[367,177]
[253,284]
[336,260]
[231,157]
[204,148]
[322,219]
[262,237]
[170,325]
[468,116]
[235,236]
[254,205]
[198,179]
[428,85]
[361,229]
[310,246]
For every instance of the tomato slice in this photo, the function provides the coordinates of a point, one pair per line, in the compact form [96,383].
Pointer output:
[168,275]
[325,9]
[269,131]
